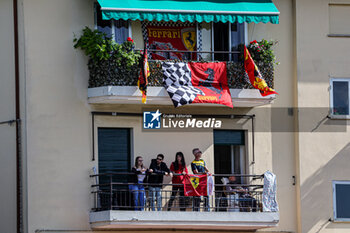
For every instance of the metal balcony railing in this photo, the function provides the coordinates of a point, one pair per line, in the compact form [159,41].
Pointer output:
[112,191]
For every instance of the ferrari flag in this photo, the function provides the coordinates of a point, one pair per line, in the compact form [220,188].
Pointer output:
[254,75]
[144,73]
[195,185]
[172,38]
[194,82]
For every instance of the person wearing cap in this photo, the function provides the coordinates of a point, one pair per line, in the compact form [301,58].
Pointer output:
[199,167]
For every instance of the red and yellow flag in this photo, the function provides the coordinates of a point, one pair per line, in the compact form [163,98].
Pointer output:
[254,75]
[195,185]
[143,77]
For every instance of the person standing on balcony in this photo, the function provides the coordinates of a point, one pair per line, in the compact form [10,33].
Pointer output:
[159,169]
[178,168]
[137,189]
[199,167]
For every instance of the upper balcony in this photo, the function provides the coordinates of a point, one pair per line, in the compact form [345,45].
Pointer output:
[112,83]
[175,30]
[232,206]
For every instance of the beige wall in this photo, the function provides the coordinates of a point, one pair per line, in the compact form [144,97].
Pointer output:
[7,112]
[58,116]
[58,119]
[283,143]
[323,151]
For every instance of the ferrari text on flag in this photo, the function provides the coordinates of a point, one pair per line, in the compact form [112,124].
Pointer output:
[254,75]
[173,38]
[195,82]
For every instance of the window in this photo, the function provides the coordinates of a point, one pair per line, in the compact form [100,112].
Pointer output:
[339,97]
[341,200]
[114,156]
[113,152]
[116,29]
[229,156]
[227,37]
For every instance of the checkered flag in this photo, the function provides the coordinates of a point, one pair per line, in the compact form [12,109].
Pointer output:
[177,82]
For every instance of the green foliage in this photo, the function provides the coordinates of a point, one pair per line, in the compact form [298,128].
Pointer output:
[114,64]
[98,47]
[261,51]
[95,44]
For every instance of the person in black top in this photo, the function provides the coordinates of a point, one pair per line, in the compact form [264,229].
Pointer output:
[155,180]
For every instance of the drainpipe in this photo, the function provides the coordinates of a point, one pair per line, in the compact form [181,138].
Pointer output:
[18,121]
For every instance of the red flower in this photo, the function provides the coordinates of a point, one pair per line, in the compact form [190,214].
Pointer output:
[129,39]
[253,42]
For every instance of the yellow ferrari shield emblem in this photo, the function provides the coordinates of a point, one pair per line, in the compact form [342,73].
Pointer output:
[188,36]
[194,182]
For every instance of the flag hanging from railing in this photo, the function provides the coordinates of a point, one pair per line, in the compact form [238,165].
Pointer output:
[144,73]
[254,75]
[195,185]
[195,82]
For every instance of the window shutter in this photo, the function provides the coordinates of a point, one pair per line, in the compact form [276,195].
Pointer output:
[228,137]
[113,152]
[342,201]
[340,97]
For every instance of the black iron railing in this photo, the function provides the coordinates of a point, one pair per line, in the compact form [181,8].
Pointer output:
[113,191]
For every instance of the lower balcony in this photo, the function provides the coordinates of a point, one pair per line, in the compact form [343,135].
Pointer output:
[238,208]
[114,219]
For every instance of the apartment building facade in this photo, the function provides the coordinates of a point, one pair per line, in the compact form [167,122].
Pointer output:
[67,126]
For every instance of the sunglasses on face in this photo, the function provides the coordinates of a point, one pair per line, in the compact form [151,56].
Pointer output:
[159,159]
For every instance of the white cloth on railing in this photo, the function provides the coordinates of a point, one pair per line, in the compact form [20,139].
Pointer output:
[210,185]
[269,193]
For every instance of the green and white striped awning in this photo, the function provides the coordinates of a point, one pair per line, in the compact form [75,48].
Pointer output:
[250,11]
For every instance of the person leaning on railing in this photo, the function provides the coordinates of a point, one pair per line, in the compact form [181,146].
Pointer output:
[159,168]
[178,168]
[137,189]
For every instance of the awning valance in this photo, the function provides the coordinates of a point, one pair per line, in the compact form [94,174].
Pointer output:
[250,11]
